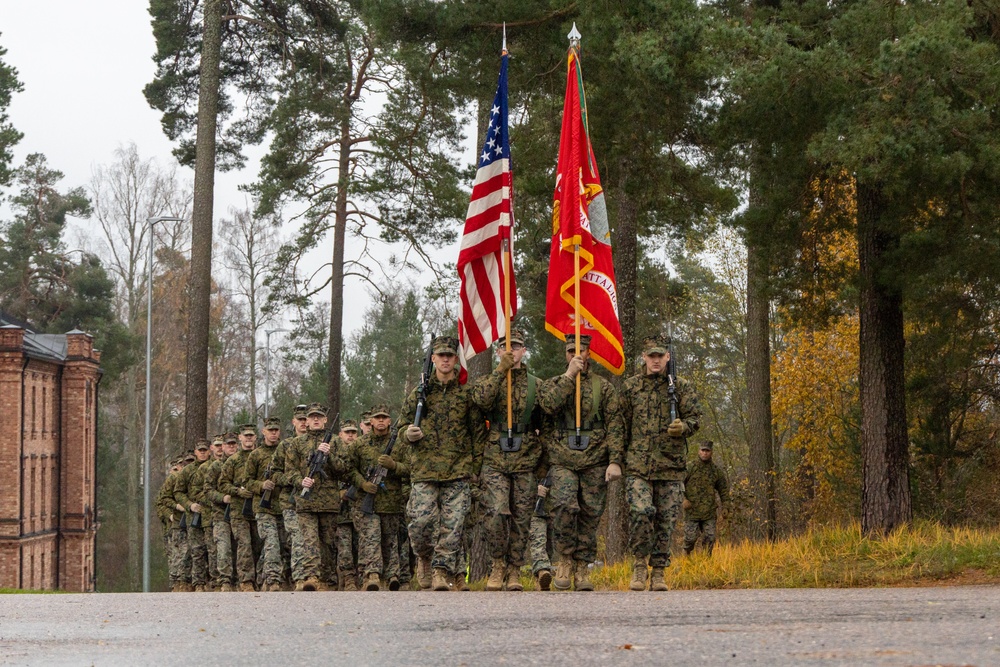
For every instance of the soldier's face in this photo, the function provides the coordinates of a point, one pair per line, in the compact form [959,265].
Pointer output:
[348,436]
[585,354]
[381,424]
[201,455]
[655,363]
[445,362]
[272,435]
[705,454]
[518,350]
[366,428]
[248,441]
[229,448]
[317,422]
[301,425]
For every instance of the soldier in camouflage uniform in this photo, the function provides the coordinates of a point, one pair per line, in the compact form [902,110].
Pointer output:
[208,513]
[221,528]
[655,456]
[446,454]
[317,514]
[232,482]
[270,526]
[187,494]
[366,422]
[540,535]
[378,533]
[174,536]
[283,482]
[347,540]
[703,480]
[510,460]
[580,467]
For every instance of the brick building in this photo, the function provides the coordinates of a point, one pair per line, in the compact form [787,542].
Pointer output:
[48,422]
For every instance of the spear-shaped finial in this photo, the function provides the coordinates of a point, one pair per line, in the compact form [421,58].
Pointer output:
[505,37]
[574,36]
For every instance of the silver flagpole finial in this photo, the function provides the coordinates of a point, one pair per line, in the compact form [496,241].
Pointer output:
[505,37]
[574,36]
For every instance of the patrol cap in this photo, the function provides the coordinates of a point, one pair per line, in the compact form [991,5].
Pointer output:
[349,425]
[248,429]
[232,437]
[379,410]
[366,417]
[706,445]
[272,423]
[656,344]
[219,439]
[189,457]
[300,411]
[315,409]
[445,345]
[202,444]
[516,336]
[571,342]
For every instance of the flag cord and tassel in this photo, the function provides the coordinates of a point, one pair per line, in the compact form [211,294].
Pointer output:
[576,326]
[506,314]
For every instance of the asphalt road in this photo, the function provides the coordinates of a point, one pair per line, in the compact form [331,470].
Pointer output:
[894,626]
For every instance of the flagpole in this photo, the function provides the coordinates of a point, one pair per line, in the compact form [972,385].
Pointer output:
[506,292]
[576,325]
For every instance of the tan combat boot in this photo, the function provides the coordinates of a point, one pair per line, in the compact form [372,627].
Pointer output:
[371,582]
[495,582]
[424,573]
[348,582]
[639,573]
[581,577]
[310,584]
[656,580]
[273,588]
[514,578]
[564,575]
[544,579]
[393,583]
[200,588]
[226,587]
[458,582]
[439,579]
[246,587]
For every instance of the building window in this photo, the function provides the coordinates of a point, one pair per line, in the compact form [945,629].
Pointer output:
[45,409]
[44,499]
[32,491]
[33,412]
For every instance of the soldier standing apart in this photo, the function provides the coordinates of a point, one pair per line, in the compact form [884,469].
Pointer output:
[282,480]
[221,529]
[655,457]
[510,460]
[704,479]
[269,519]
[378,533]
[174,537]
[317,514]
[187,494]
[347,544]
[232,481]
[580,467]
[446,454]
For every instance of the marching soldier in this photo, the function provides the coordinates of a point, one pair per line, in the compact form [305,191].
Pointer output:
[366,423]
[378,533]
[703,480]
[187,494]
[221,528]
[446,454]
[282,481]
[259,473]
[175,536]
[656,449]
[510,460]
[581,463]
[347,543]
[208,512]
[232,482]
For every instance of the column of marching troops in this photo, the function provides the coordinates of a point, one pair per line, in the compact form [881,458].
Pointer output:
[541,482]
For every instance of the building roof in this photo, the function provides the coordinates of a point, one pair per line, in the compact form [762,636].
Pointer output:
[51,347]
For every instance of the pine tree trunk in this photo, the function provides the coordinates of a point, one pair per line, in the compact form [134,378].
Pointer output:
[761,468]
[337,279]
[133,445]
[885,494]
[200,284]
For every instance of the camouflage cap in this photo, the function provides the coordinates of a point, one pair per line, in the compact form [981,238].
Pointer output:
[516,336]
[272,423]
[315,409]
[248,429]
[380,410]
[349,425]
[232,437]
[202,444]
[706,445]
[445,345]
[300,411]
[219,439]
[656,344]
[366,417]
[189,457]
[571,342]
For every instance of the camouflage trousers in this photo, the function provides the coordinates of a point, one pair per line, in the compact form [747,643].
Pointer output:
[575,504]
[378,543]
[294,537]
[223,552]
[178,556]
[653,510]
[704,526]
[270,528]
[509,500]
[199,556]
[403,540]
[437,521]
[318,532]
[243,533]
[212,575]
[347,541]
[538,544]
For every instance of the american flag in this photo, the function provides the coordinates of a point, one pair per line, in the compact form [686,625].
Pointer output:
[487,230]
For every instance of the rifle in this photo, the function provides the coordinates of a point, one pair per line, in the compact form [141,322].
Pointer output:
[425,381]
[265,498]
[247,509]
[377,476]
[225,516]
[317,460]
[671,387]
[540,503]
[183,524]
[196,519]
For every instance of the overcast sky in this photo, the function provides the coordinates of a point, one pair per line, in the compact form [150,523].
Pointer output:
[84,64]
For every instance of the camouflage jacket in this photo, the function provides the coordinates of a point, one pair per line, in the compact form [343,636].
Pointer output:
[196,491]
[185,491]
[557,397]
[362,454]
[650,453]
[282,477]
[454,432]
[165,503]
[257,464]
[701,483]
[210,490]
[232,477]
[325,495]
[489,394]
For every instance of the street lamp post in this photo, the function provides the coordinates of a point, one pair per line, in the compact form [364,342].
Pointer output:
[267,369]
[147,513]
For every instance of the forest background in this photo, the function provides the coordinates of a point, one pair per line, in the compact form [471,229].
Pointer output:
[802,192]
